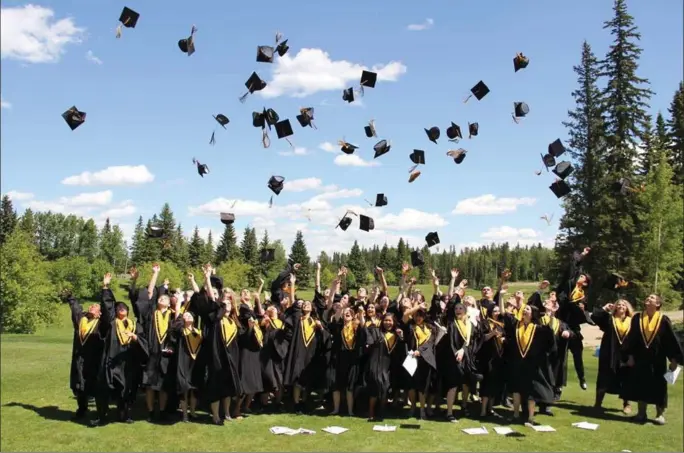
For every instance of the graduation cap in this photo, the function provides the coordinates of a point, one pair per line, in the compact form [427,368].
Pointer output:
[380,200]
[432,239]
[267,255]
[473,129]
[560,188]
[202,169]
[623,186]
[454,132]
[368,79]
[254,83]
[370,129]
[306,117]
[480,90]
[284,130]
[268,117]
[345,221]
[556,149]
[155,232]
[74,117]
[417,258]
[616,282]
[520,61]
[520,110]
[227,218]
[187,45]
[347,148]
[414,175]
[276,184]
[433,134]
[282,48]
[417,157]
[457,154]
[128,19]
[348,95]
[222,120]
[366,223]
[548,160]
[381,147]
[265,54]
[563,170]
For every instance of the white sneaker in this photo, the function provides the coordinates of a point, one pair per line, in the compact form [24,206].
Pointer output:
[659,420]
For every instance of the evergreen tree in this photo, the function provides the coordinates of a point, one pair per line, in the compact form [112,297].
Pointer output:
[181,246]
[8,218]
[208,254]
[299,254]
[250,254]
[107,245]
[27,223]
[196,249]
[264,267]
[324,259]
[227,247]
[357,265]
[153,246]
[403,254]
[118,247]
[167,222]
[648,152]
[138,246]
[87,241]
[676,135]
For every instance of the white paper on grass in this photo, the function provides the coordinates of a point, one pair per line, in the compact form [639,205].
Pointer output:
[385,428]
[475,431]
[411,363]
[282,430]
[586,425]
[305,431]
[671,376]
[541,428]
[503,430]
[335,430]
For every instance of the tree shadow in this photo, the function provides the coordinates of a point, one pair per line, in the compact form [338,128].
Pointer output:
[50,413]
[591,412]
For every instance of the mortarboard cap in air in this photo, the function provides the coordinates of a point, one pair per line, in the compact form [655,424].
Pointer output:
[129,18]
[258,119]
[187,45]
[521,109]
[283,129]
[380,148]
[74,117]
[417,259]
[370,129]
[265,54]
[380,200]
[366,223]
[556,149]
[202,169]
[563,170]
[306,116]
[282,48]
[433,134]
[348,95]
[254,83]
[473,129]
[276,184]
[560,189]
[432,239]
[457,154]
[480,90]
[623,186]
[227,218]
[222,119]
[368,80]
[347,148]
[549,160]
[616,282]
[267,255]
[155,232]
[417,157]
[345,222]
[520,62]
[454,132]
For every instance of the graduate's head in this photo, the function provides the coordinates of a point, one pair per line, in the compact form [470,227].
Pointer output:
[121,310]
[460,310]
[361,293]
[494,312]
[552,296]
[94,311]
[510,304]
[584,280]
[487,293]
[215,293]
[623,308]
[388,322]
[344,300]
[418,297]
[272,312]
[347,315]
[188,319]
[551,306]
[469,301]
[419,316]
[245,296]
[653,302]
[306,307]
[231,309]
[384,301]
[519,296]
[163,302]
[530,314]
[370,310]
[227,294]
[326,293]
[284,302]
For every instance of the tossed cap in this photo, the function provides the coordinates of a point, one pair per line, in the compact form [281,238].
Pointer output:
[454,131]
[74,117]
[520,62]
[366,223]
[417,258]
[560,189]
[276,184]
[563,169]
[433,134]
[417,156]
[380,148]
[227,218]
[370,129]
[380,200]
[283,129]
[347,148]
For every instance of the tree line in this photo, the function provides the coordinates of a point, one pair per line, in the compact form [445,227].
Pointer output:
[634,227]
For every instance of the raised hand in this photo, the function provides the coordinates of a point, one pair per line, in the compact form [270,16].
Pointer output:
[293,279]
[191,277]
[318,266]
[261,281]
[454,273]
[404,268]
[463,284]
[107,279]
[586,251]
[506,274]
[565,335]
[133,273]
[156,268]
[166,281]
[297,266]
[379,270]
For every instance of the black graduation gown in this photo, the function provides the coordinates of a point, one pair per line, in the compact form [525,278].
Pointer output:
[385,362]
[612,371]
[558,359]
[569,311]
[346,356]
[224,360]
[250,341]
[121,357]
[203,309]
[158,373]
[301,349]
[188,346]
[491,362]
[277,293]
[271,356]
[646,382]
[427,363]
[535,300]
[529,372]
[86,353]
[452,373]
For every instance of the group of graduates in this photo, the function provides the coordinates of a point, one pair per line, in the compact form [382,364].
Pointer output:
[235,355]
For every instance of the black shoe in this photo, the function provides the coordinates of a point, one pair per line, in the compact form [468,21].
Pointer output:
[150,417]
[80,414]
[95,423]
[546,411]
[583,384]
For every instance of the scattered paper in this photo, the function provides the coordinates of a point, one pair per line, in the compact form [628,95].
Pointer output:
[474,431]
[385,428]
[335,430]
[503,430]
[278,430]
[671,376]
[541,428]
[305,431]
[586,425]
[411,363]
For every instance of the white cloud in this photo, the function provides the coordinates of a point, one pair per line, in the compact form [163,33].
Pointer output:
[506,233]
[489,205]
[302,185]
[5,104]
[410,219]
[423,26]
[312,70]
[298,151]
[123,210]
[89,199]
[238,207]
[327,147]
[81,205]
[19,196]
[90,56]
[352,160]
[123,175]
[30,33]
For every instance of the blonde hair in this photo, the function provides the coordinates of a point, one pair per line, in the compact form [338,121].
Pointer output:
[629,311]
[469,301]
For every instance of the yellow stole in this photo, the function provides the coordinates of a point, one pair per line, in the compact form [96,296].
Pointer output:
[577,294]
[161,324]
[650,327]
[422,334]
[86,326]
[373,322]
[228,330]
[551,322]
[483,311]
[308,330]
[193,340]
[498,342]
[349,336]
[622,327]
[519,312]
[258,334]
[465,328]
[275,323]
[390,341]
[121,330]
[524,336]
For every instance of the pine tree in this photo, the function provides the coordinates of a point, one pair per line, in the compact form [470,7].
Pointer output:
[153,246]
[227,247]
[648,153]
[27,223]
[8,218]
[250,247]
[107,244]
[181,246]
[138,252]
[167,222]
[264,266]
[299,254]
[87,241]
[208,254]
[357,264]
[196,249]
[676,134]
[403,254]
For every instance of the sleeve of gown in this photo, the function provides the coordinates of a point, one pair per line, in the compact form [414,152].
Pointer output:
[216,312]
[602,319]
[535,300]
[107,306]
[633,336]
[141,343]
[571,274]
[450,314]
[76,311]
[669,341]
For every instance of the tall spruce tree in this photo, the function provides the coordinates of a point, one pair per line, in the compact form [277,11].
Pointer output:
[676,134]
[299,254]
[8,218]
[208,254]
[27,223]
[138,252]
[87,241]
[227,247]
[264,266]
[196,249]
[250,254]
[357,264]
[167,222]
[182,255]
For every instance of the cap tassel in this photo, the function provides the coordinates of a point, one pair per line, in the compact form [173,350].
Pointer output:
[313,124]
[413,168]
[291,145]
[212,140]
[516,120]
[455,140]
[119,30]
[243,98]
[369,203]
[270,202]
[265,140]
[467,99]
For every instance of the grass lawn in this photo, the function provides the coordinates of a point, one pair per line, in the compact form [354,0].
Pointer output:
[37,404]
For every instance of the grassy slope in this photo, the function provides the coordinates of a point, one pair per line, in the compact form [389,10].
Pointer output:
[37,403]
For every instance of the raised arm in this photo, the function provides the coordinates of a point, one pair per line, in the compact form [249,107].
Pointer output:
[76,309]
[193,283]
[207,283]
[334,288]
[153,281]
[452,282]
[108,301]
[383,280]
[318,277]
[133,287]
[293,279]
[258,308]
[435,284]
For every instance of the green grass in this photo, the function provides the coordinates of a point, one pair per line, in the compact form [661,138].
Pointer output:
[37,404]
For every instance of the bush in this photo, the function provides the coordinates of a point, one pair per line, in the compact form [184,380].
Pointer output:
[177,279]
[27,296]
[82,278]
[235,275]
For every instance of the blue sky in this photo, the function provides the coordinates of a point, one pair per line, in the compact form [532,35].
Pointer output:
[150,107]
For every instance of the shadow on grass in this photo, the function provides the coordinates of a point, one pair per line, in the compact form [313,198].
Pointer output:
[589,411]
[50,413]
